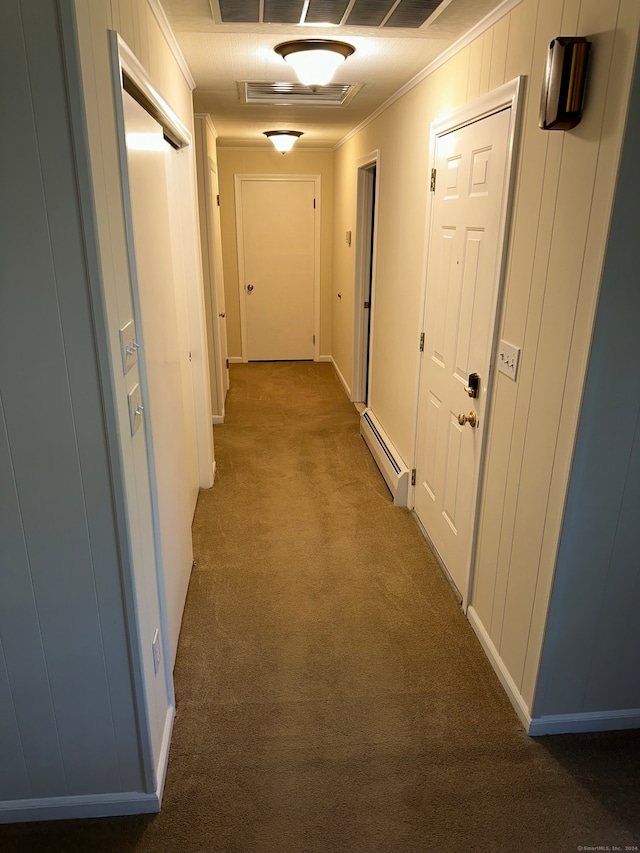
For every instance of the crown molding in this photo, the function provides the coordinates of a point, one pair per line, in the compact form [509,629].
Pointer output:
[482,26]
[163,22]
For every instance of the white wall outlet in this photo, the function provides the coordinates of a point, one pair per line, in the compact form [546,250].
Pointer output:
[157,654]
[508,358]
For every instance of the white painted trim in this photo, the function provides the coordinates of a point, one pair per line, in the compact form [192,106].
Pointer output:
[163,757]
[365,198]
[235,359]
[172,42]
[482,26]
[324,358]
[507,96]
[109,392]
[214,471]
[590,721]
[317,181]
[343,381]
[209,123]
[68,808]
[217,419]
[133,68]
[116,46]
[500,669]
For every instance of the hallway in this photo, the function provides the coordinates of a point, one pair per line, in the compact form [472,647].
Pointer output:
[331,697]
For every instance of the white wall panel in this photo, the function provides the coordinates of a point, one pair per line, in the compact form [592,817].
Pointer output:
[56,438]
[564,191]
[591,656]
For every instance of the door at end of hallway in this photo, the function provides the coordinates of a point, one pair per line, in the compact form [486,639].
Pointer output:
[278,265]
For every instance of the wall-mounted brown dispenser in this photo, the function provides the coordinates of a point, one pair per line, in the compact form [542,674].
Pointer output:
[563,86]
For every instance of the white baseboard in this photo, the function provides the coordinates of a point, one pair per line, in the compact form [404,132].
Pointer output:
[217,419]
[163,758]
[235,359]
[67,808]
[501,671]
[551,724]
[591,721]
[325,358]
[341,377]
[215,471]
[95,805]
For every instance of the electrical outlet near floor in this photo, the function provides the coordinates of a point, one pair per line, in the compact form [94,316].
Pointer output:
[157,654]
[508,358]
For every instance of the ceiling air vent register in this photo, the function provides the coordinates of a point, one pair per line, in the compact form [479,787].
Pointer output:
[286,94]
[406,14]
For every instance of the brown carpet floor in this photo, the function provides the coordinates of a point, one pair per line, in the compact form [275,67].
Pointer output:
[331,696]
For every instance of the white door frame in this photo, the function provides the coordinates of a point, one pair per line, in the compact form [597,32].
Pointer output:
[365,266]
[238,179]
[508,96]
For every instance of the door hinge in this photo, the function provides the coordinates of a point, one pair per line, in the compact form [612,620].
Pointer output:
[421,341]
[218,199]
[227,360]
[413,476]
[314,339]
[433,180]
[367,305]
[314,204]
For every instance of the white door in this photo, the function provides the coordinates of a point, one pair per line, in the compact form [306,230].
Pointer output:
[220,311]
[159,309]
[461,302]
[178,176]
[277,254]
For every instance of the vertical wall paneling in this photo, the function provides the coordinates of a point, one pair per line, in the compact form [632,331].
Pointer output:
[59,460]
[475,65]
[620,70]
[127,700]
[563,196]
[28,738]
[85,720]
[499,53]
[485,65]
[592,630]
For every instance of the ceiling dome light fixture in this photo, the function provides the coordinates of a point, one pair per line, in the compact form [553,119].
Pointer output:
[283,140]
[315,61]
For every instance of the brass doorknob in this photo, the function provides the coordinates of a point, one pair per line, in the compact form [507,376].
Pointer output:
[471,419]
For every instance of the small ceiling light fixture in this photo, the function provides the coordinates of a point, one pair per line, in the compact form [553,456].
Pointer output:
[283,140]
[315,61]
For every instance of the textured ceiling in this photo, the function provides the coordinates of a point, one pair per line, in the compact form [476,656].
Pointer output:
[220,55]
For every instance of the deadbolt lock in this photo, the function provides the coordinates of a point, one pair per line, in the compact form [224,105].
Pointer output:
[471,419]
[473,388]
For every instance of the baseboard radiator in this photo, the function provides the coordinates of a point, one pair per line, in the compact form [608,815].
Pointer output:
[387,458]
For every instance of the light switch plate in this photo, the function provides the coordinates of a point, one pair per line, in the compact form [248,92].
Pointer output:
[135,408]
[508,358]
[128,346]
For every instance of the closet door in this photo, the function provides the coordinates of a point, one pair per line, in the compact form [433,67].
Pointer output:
[160,307]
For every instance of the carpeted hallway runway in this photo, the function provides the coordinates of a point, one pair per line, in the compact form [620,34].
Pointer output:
[331,696]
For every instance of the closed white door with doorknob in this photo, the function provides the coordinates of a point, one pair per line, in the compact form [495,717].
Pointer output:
[465,255]
[278,266]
